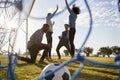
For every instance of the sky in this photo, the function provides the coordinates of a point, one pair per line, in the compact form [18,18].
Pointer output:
[105,28]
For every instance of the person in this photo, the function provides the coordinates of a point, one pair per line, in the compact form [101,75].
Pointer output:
[34,45]
[119,5]
[50,31]
[72,19]
[64,40]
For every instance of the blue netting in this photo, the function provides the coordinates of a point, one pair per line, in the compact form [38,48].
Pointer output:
[11,66]
[25,9]
[81,58]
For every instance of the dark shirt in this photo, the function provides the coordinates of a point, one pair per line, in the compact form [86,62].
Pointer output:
[64,36]
[37,34]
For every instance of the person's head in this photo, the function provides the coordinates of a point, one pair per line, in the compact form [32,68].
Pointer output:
[76,9]
[48,14]
[45,27]
[66,26]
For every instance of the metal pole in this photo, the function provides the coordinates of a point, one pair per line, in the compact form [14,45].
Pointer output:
[27,26]
[26,36]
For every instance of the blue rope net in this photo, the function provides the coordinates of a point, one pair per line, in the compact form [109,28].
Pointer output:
[79,58]
[82,59]
[11,66]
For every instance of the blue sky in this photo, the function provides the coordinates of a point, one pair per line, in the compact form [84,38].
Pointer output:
[106,23]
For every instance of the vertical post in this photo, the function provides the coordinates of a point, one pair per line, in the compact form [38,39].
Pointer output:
[26,36]
[27,26]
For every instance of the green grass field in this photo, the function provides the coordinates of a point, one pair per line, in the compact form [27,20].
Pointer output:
[25,71]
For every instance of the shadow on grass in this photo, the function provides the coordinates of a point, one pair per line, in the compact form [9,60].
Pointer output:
[87,76]
[41,65]
[29,64]
[105,73]
[101,69]
[23,64]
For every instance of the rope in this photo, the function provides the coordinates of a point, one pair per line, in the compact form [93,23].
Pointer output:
[78,58]
[11,66]
[42,18]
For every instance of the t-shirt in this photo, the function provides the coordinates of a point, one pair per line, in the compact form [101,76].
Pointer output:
[65,36]
[37,34]
[49,22]
[72,20]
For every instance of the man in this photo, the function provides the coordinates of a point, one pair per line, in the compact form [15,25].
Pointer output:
[64,40]
[34,45]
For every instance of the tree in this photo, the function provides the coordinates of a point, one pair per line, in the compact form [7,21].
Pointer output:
[99,53]
[66,52]
[105,51]
[115,50]
[88,50]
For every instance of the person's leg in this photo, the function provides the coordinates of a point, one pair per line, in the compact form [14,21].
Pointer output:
[28,60]
[45,52]
[44,55]
[33,52]
[58,48]
[49,41]
[67,45]
[71,39]
[33,56]
[49,54]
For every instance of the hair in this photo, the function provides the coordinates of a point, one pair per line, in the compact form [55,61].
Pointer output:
[45,26]
[66,24]
[48,14]
[76,9]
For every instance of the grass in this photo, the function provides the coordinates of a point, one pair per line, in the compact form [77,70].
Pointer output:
[25,71]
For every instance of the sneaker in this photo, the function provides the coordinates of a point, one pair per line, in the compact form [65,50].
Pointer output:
[59,58]
[50,58]
[19,58]
[41,62]
[47,58]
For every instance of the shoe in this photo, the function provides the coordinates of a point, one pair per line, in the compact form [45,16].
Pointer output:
[47,58]
[59,58]
[19,58]
[50,58]
[41,62]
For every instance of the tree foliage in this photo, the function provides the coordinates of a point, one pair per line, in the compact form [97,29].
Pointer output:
[88,51]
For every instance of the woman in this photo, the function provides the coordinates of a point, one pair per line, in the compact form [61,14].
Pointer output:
[50,31]
[72,19]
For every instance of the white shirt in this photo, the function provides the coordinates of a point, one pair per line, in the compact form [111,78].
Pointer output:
[49,22]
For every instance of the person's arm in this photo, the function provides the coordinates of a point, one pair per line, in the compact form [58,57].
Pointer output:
[37,40]
[53,23]
[59,37]
[53,13]
[119,5]
[70,11]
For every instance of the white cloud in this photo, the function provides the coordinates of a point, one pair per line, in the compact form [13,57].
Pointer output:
[103,12]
